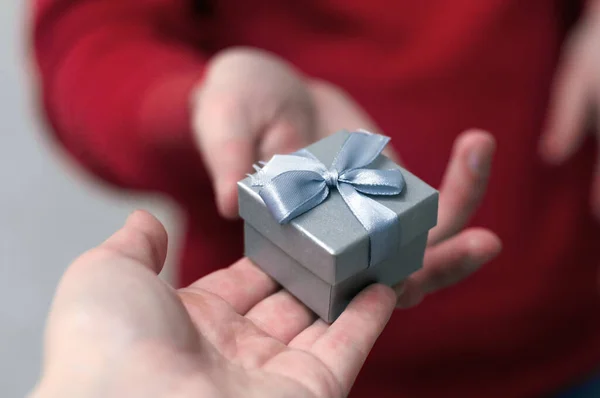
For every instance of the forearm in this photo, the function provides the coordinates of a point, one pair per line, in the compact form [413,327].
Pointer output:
[115,83]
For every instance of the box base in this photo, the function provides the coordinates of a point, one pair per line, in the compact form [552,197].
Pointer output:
[329,301]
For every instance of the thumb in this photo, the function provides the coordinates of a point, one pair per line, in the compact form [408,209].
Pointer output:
[108,301]
[292,130]
[143,238]
[227,143]
[336,110]
[107,279]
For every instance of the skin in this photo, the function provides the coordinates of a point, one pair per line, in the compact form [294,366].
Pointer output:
[252,105]
[116,329]
[575,102]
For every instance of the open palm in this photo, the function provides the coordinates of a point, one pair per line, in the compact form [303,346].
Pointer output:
[116,329]
[274,343]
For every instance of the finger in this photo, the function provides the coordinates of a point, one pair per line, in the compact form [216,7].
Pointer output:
[336,110]
[305,339]
[464,183]
[565,130]
[286,135]
[113,292]
[143,238]
[348,341]
[281,316]
[242,285]
[227,143]
[409,294]
[392,154]
[456,258]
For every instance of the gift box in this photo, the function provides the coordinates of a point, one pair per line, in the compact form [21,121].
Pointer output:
[329,220]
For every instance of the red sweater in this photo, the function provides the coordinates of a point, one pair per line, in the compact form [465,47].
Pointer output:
[116,76]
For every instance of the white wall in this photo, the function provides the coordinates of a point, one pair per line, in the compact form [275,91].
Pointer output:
[48,213]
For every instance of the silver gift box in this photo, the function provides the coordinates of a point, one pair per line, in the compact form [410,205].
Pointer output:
[322,256]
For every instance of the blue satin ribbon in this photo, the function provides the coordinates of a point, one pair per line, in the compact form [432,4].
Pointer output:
[293,184]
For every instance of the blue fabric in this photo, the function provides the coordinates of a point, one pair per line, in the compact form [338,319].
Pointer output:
[588,389]
[294,184]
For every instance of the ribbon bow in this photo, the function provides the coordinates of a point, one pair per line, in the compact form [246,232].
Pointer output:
[293,184]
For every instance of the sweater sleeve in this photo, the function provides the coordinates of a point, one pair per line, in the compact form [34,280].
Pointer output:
[115,78]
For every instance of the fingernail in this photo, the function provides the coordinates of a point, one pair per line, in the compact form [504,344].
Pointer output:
[473,262]
[479,162]
[135,213]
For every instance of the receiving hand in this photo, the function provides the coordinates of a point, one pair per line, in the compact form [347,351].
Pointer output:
[117,330]
[576,98]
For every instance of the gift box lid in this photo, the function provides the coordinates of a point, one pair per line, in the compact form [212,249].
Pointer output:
[328,239]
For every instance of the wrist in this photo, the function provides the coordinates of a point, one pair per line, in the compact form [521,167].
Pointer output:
[150,376]
[165,112]
[165,118]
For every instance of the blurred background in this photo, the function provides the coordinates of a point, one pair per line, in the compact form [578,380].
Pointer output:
[50,212]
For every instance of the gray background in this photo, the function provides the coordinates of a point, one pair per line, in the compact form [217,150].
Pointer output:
[49,212]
